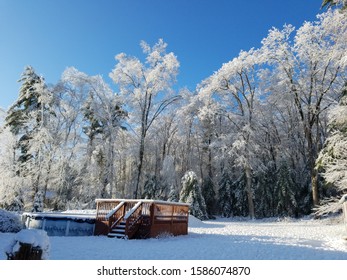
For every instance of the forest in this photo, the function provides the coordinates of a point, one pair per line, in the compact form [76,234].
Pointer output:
[265,135]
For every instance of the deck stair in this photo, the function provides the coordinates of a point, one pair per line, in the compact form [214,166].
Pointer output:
[128,224]
[118,231]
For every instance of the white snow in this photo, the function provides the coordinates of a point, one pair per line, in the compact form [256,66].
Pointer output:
[220,239]
[35,237]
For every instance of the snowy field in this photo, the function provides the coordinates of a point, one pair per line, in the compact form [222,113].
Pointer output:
[221,239]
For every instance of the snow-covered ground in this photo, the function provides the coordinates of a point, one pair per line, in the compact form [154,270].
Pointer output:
[223,239]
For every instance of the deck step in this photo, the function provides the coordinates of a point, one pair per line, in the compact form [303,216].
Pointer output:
[117,235]
[118,231]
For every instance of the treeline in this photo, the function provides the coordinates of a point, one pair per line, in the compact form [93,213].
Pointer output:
[244,143]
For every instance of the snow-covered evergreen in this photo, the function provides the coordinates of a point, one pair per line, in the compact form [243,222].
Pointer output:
[191,193]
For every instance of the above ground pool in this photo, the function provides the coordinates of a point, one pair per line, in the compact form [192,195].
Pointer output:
[61,224]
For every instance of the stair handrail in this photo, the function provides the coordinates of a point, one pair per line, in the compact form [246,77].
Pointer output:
[132,210]
[132,225]
[114,210]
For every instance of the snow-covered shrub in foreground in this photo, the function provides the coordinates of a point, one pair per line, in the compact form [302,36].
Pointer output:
[35,237]
[9,222]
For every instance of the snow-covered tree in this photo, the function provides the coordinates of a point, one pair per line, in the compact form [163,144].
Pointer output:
[28,119]
[225,201]
[285,192]
[100,117]
[309,68]
[146,88]
[12,193]
[38,202]
[334,3]
[191,193]
[332,160]
[173,194]
[235,87]
[152,189]
[209,195]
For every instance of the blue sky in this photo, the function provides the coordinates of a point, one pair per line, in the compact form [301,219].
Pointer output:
[52,35]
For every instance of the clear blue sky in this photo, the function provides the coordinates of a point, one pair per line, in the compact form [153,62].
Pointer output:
[52,35]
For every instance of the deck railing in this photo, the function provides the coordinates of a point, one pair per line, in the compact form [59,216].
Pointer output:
[133,220]
[151,217]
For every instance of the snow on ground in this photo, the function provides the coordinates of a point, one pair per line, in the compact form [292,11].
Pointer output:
[220,239]
[36,237]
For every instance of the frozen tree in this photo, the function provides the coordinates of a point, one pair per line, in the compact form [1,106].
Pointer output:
[209,195]
[38,202]
[334,3]
[146,88]
[332,160]
[285,192]
[191,193]
[235,87]
[152,188]
[11,185]
[225,201]
[101,117]
[173,194]
[308,68]
[28,119]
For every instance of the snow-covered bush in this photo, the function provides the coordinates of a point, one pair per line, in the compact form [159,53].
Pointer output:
[9,222]
[35,237]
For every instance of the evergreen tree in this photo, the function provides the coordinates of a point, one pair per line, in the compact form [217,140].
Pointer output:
[266,182]
[26,119]
[191,193]
[173,194]
[239,196]
[38,202]
[285,190]
[209,195]
[24,116]
[225,201]
[152,189]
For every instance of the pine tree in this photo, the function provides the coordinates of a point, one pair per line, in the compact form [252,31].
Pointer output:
[24,116]
[152,189]
[209,195]
[191,193]
[173,194]
[239,196]
[224,196]
[285,189]
[38,202]
[26,119]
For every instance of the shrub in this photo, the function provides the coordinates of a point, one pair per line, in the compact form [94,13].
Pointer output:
[9,222]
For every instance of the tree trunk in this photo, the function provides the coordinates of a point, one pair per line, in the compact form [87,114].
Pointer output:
[311,163]
[249,192]
[139,166]
[314,183]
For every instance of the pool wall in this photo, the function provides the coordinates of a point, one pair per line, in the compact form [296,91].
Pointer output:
[60,224]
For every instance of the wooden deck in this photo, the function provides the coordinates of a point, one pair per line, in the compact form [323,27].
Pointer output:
[124,218]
